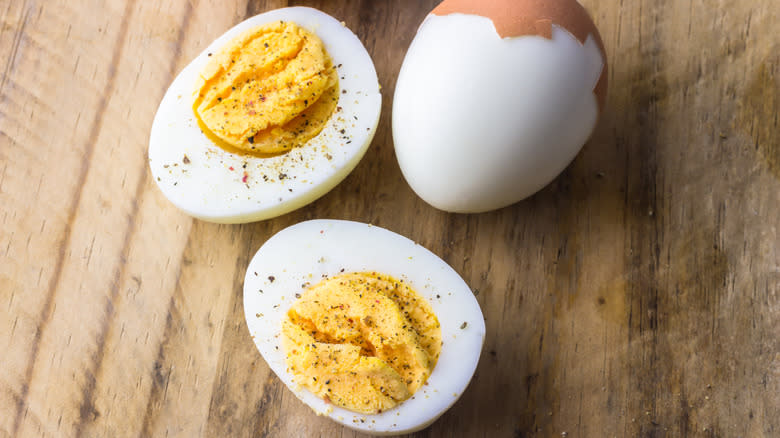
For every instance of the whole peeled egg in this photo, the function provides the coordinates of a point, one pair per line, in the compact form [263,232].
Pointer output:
[495,98]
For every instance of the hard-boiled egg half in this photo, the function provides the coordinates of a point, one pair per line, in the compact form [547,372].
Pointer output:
[269,117]
[363,325]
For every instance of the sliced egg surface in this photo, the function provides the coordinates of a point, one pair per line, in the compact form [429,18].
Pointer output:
[213,184]
[300,256]
[490,109]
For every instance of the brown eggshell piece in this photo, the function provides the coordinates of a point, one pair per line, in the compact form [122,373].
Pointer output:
[516,18]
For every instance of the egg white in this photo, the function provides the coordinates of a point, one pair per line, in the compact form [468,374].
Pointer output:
[203,185]
[303,254]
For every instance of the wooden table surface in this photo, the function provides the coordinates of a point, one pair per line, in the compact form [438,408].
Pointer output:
[636,295]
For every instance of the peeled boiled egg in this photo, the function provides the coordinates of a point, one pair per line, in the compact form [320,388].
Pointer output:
[269,117]
[340,310]
[495,98]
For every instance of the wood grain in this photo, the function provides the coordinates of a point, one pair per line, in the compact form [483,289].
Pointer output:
[636,295]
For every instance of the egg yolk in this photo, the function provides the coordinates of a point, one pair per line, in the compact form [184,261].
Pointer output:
[363,341]
[269,90]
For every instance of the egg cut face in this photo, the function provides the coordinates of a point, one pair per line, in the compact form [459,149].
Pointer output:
[488,109]
[364,341]
[297,272]
[278,133]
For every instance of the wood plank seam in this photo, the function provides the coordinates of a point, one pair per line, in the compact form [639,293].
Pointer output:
[9,63]
[46,312]
[87,406]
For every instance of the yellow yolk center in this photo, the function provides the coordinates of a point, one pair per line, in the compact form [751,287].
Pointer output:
[269,90]
[362,341]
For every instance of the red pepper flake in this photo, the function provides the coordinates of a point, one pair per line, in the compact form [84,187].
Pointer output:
[246,175]
[186,159]
[326,399]
[322,231]
[231,168]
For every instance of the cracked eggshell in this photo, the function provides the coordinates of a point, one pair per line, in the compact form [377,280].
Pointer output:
[212,184]
[303,254]
[495,98]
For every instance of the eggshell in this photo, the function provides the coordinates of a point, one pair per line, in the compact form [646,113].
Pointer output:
[494,99]
[534,17]
[306,252]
